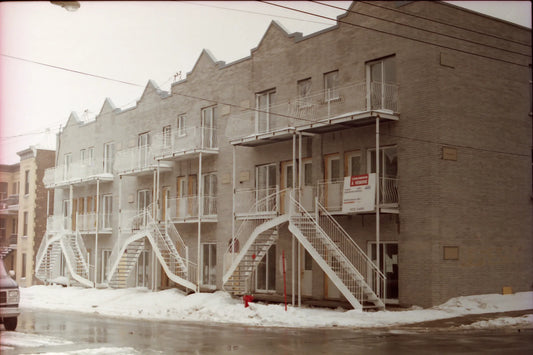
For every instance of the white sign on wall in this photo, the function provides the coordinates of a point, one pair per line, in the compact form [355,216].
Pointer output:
[359,193]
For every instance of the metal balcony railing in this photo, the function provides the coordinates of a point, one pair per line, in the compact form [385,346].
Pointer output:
[10,204]
[135,159]
[86,222]
[330,193]
[183,141]
[186,207]
[257,201]
[77,172]
[320,106]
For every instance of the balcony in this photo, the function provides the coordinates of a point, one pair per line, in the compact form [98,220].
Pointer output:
[77,173]
[353,105]
[330,195]
[185,142]
[86,223]
[58,223]
[185,209]
[138,161]
[10,205]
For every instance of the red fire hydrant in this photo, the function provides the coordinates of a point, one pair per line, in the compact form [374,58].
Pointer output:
[247,299]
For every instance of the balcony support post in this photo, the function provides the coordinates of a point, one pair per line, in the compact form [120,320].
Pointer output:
[119,206]
[377,204]
[47,203]
[299,200]
[233,182]
[96,232]
[199,216]
[69,222]
[293,257]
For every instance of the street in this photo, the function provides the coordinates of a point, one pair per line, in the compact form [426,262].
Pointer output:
[74,333]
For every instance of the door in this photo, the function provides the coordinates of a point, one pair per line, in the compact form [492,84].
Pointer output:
[388,264]
[74,213]
[109,157]
[209,264]
[66,214]
[334,184]
[308,196]
[287,183]
[307,273]
[181,197]
[192,193]
[265,279]
[143,146]
[209,192]
[265,182]
[144,200]
[165,196]
[142,269]
[264,122]
[107,211]
[388,173]
[208,127]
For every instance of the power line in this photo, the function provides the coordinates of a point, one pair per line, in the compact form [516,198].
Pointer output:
[426,30]
[69,70]
[398,35]
[445,23]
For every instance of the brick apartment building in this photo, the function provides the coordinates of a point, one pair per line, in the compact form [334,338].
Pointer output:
[23,211]
[244,167]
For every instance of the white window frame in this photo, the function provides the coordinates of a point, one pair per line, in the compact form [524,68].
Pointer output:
[269,95]
[304,93]
[167,136]
[208,127]
[268,260]
[109,157]
[182,120]
[107,209]
[331,92]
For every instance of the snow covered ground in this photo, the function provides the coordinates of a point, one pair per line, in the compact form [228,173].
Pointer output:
[220,307]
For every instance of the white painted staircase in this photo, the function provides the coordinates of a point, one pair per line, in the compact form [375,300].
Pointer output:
[147,231]
[345,264]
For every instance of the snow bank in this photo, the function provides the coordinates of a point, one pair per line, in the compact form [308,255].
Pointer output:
[220,307]
[504,322]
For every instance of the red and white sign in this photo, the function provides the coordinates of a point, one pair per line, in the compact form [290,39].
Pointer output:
[359,193]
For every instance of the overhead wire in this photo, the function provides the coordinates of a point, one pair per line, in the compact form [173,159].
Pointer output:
[424,29]
[444,23]
[397,35]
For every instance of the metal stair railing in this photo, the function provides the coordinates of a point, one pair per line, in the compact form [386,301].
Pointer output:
[329,250]
[181,249]
[355,255]
[73,262]
[46,257]
[80,245]
[247,227]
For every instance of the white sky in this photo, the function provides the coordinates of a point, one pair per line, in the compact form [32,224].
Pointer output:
[132,42]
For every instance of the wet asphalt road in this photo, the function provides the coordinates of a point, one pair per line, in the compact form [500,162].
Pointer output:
[150,337]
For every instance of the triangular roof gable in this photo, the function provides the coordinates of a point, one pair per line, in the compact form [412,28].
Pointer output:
[107,107]
[73,119]
[206,61]
[275,30]
[151,89]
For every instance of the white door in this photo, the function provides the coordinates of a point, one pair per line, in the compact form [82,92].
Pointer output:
[287,183]
[208,127]
[265,279]
[209,191]
[143,146]
[265,182]
[334,183]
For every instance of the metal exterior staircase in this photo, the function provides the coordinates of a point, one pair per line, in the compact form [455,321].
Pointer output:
[72,247]
[126,262]
[345,264]
[338,255]
[47,267]
[178,269]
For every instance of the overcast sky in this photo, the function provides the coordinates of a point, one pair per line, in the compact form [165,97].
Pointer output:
[132,42]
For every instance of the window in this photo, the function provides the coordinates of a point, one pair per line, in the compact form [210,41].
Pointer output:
[25,225]
[209,263]
[3,190]
[15,188]
[90,157]
[14,226]
[265,182]
[23,272]
[331,87]
[109,157]
[266,271]
[381,80]
[83,155]
[26,182]
[263,103]
[308,173]
[304,93]
[2,228]
[181,126]
[388,162]
[352,163]
[67,161]
[167,136]
[208,127]
[142,268]
[106,253]
[107,211]
[66,214]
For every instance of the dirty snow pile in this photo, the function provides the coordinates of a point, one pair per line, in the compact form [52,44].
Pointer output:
[220,307]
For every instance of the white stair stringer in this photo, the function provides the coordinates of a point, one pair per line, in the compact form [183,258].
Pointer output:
[75,260]
[332,259]
[46,263]
[129,254]
[251,254]
[173,264]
